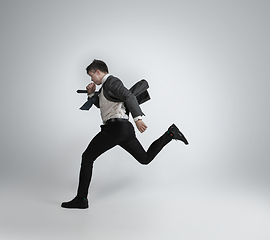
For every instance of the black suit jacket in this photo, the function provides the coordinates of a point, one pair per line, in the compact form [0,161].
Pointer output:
[115,91]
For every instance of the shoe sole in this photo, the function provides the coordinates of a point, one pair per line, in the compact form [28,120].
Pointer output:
[75,207]
[185,140]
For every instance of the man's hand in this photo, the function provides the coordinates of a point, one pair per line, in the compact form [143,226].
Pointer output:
[141,125]
[91,88]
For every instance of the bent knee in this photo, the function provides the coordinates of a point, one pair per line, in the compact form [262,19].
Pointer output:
[144,161]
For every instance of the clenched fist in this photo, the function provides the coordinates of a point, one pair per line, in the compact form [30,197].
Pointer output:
[141,125]
[91,88]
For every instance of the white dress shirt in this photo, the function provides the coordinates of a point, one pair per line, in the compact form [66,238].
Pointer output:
[110,109]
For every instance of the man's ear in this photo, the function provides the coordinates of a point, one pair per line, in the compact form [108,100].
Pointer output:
[98,72]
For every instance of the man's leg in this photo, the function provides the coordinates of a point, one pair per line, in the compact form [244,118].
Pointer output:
[100,144]
[134,147]
[103,141]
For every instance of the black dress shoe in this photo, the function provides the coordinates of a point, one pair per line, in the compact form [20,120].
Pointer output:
[175,133]
[77,202]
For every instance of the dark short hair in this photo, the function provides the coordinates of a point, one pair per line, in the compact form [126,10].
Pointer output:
[97,64]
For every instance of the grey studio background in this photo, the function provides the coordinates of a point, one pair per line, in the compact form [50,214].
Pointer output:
[207,64]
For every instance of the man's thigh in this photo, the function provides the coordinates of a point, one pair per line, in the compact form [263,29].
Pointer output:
[101,143]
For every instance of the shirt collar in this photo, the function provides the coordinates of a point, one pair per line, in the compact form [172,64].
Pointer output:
[105,78]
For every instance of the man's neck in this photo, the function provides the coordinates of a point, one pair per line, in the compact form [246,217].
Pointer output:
[104,78]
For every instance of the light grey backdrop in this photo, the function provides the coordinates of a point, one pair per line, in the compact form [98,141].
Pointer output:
[207,63]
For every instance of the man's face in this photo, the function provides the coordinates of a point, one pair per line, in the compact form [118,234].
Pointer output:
[96,76]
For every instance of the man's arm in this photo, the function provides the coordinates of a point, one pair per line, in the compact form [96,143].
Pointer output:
[117,90]
[121,92]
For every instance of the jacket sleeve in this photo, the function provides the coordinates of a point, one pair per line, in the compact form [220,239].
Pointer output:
[119,91]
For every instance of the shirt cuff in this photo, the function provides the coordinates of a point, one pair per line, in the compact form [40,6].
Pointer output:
[91,95]
[137,118]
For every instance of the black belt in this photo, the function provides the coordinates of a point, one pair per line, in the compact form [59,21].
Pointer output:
[116,120]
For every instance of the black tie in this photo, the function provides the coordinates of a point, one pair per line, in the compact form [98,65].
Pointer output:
[87,105]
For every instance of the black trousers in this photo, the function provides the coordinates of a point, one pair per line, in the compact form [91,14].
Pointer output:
[112,134]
